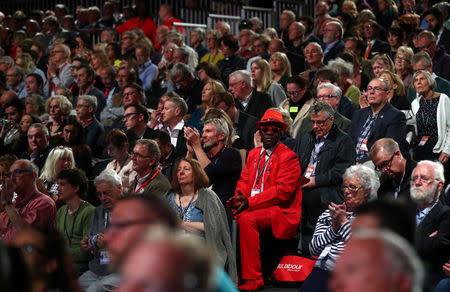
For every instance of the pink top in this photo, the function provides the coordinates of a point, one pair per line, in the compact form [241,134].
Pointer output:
[40,211]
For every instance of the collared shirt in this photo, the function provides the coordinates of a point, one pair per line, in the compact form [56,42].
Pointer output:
[146,73]
[421,214]
[315,153]
[246,100]
[140,182]
[363,135]
[174,133]
[398,187]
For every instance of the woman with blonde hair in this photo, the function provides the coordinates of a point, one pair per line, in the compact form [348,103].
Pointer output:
[281,68]
[403,65]
[262,81]
[58,159]
[397,93]
[210,89]
[99,59]
[58,107]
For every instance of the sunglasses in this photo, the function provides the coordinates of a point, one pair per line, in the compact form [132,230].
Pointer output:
[273,130]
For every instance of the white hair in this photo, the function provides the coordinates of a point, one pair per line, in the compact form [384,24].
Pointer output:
[242,75]
[366,177]
[109,176]
[438,169]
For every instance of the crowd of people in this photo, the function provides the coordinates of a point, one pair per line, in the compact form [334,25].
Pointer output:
[133,161]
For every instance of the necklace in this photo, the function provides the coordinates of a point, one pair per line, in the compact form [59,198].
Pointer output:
[182,212]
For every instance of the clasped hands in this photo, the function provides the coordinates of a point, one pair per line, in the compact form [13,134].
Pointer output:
[238,203]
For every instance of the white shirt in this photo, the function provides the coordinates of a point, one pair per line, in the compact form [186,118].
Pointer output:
[174,133]
[246,100]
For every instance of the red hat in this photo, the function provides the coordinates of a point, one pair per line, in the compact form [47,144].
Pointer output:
[272,116]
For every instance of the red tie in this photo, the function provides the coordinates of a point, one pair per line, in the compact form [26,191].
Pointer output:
[107,92]
[369,47]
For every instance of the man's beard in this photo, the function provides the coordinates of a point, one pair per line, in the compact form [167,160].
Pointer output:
[421,196]
[207,148]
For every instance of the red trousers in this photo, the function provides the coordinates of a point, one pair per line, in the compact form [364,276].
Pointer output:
[250,224]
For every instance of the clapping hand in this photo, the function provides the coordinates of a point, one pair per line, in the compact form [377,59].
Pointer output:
[338,215]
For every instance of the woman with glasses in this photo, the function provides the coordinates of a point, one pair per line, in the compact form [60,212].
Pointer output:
[58,159]
[432,113]
[214,54]
[403,66]
[333,228]
[116,142]
[201,212]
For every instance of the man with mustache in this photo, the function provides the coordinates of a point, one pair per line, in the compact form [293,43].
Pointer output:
[432,219]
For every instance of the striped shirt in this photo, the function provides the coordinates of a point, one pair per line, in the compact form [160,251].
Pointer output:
[327,244]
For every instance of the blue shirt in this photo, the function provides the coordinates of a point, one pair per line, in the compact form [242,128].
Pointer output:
[146,73]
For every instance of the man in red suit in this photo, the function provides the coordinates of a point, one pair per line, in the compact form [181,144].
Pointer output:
[268,196]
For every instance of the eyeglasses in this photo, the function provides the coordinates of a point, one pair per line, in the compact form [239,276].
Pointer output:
[55,52]
[424,48]
[273,130]
[376,88]
[352,189]
[311,52]
[319,122]
[127,116]
[385,164]
[401,59]
[329,96]
[294,93]
[369,26]
[81,105]
[139,155]
[18,172]
[422,179]
[130,93]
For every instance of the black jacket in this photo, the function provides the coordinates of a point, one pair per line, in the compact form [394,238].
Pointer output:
[388,186]
[193,95]
[258,104]
[434,250]
[229,65]
[335,156]
[245,129]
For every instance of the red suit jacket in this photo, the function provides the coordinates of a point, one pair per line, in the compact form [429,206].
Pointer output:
[282,194]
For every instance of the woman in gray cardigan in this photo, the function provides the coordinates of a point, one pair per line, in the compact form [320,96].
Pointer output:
[201,212]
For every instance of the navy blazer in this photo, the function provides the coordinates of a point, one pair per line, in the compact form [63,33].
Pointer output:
[378,47]
[391,123]
[258,104]
[334,52]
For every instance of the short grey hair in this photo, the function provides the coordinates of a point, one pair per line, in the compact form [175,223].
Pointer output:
[130,33]
[243,75]
[430,79]
[90,100]
[367,178]
[398,254]
[216,34]
[109,176]
[29,166]
[40,126]
[387,87]
[321,106]
[65,48]
[180,69]
[342,67]
[178,102]
[422,56]
[339,27]
[318,47]
[225,25]
[152,148]
[184,52]
[221,128]
[336,90]
[438,169]
[256,20]
[174,35]
[200,32]
[7,60]
[289,13]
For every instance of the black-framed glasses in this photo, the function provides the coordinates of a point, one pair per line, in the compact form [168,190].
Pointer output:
[319,122]
[130,93]
[272,129]
[385,164]
[352,189]
[127,116]
[294,93]
[139,155]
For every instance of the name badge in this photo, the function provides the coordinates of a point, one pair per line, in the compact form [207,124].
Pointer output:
[423,140]
[104,257]
[293,109]
[255,192]
[364,146]
[309,171]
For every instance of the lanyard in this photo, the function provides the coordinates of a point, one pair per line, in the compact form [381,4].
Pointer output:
[263,170]
[182,212]
[24,205]
[69,237]
[147,181]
